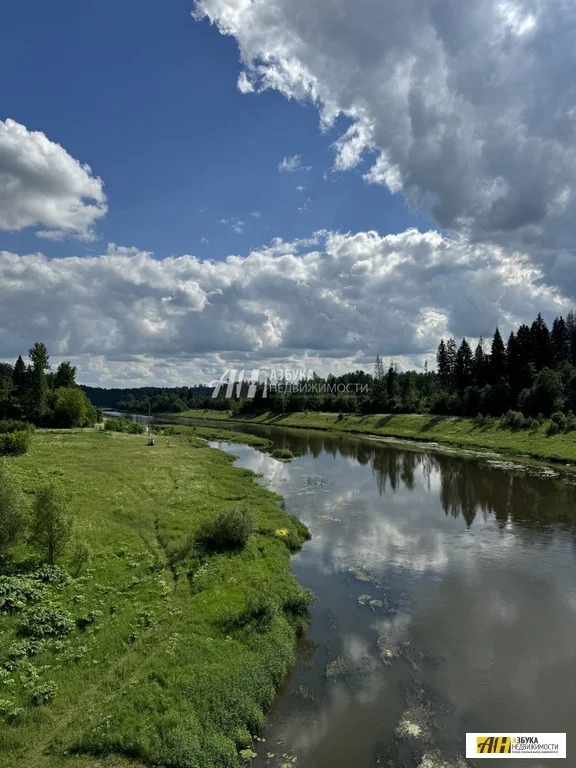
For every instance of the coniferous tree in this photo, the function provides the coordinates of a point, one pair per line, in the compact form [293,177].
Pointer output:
[378,368]
[497,359]
[541,346]
[560,342]
[516,375]
[38,393]
[443,365]
[20,377]
[463,366]
[479,364]
[451,352]
[571,332]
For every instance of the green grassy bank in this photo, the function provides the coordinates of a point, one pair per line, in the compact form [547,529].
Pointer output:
[459,432]
[155,653]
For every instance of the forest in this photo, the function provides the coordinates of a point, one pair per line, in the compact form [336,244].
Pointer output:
[32,395]
[529,376]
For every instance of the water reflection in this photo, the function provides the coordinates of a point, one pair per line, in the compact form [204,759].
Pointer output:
[446,603]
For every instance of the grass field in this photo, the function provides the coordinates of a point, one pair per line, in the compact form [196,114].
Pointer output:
[454,431]
[157,655]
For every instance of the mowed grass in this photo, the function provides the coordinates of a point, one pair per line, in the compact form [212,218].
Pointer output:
[455,431]
[177,660]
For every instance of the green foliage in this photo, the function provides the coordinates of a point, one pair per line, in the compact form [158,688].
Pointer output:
[51,523]
[284,454]
[553,429]
[11,425]
[124,425]
[12,509]
[16,592]
[81,557]
[15,443]
[72,408]
[42,621]
[230,530]
[169,683]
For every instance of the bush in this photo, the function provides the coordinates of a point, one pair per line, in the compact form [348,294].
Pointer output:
[557,417]
[514,420]
[230,530]
[45,621]
[17,591]
[553,429]
[11,425]
[257,616]
[124,425]
[15,443]
[284,454]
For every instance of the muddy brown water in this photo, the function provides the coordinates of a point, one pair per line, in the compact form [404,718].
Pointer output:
[446,603]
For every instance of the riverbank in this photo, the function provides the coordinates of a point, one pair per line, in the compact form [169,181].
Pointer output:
[445,430]
[163,653]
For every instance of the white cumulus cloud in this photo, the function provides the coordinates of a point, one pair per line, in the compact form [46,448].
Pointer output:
[467,109]
[331,302]
[41,185]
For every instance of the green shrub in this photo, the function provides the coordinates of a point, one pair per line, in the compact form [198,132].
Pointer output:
[11,425]
[17,591]
[283,454]
[257,616]
[42,693]
[557,417]
[230,530]
[553,429]
[124,425]
[15,443]
[45,621]
[53,575]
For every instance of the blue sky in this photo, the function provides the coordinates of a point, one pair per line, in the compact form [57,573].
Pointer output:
[438,137]
[147,97]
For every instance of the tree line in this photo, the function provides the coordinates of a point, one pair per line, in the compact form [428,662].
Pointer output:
[532,372]
[32,392]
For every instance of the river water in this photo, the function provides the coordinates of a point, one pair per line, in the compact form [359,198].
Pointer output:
[446,603]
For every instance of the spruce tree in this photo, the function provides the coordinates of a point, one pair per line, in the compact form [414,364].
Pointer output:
[571,332]
[497,359]
[463,366]
[560,342]
[38,394]
[541,346]
[20,377]
[451,352]
[479,364]
[443,365]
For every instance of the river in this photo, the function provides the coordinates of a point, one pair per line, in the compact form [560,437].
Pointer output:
[446,603]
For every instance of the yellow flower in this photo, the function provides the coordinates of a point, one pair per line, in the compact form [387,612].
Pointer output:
[281,532]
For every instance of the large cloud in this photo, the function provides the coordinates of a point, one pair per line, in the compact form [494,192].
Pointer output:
[468,109]
[331,302]
[42,185]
